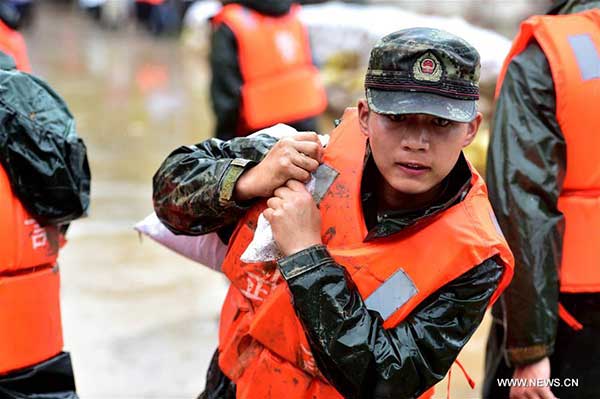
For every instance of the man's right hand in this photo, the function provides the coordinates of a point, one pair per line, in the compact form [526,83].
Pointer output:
[539,370]
[294,157]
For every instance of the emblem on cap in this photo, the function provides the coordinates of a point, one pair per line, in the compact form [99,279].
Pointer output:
[428,68]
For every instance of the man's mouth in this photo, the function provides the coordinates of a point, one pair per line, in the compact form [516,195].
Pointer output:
[413,166]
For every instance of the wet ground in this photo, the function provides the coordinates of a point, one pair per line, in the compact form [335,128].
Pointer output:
[139,321]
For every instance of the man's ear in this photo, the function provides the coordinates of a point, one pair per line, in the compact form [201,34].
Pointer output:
[472,128]
[363,116]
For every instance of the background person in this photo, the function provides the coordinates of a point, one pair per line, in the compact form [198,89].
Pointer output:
[543,176]
[262,71]
[44,184]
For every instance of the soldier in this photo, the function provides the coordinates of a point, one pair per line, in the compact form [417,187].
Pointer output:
[543,173]
[262,71]
[44,184]
[383,283]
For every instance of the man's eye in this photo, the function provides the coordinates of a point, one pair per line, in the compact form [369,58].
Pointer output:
[441,122]
[397,118]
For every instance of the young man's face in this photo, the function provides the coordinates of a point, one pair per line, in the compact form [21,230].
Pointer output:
[415,152]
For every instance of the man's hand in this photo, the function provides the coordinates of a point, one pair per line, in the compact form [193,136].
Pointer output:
[539,370]
[294,217]
[293,157]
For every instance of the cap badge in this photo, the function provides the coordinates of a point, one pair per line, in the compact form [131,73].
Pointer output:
[428,68]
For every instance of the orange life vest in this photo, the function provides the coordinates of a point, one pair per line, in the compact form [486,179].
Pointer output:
[262,345]
[571,44]
[280,82]
[30,321]
[13,44]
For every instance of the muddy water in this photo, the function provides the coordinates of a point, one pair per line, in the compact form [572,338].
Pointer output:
[140,321]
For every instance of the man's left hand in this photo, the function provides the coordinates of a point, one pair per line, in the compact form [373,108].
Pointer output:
[294,217]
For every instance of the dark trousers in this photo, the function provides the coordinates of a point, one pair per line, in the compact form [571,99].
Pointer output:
[218,386]
[50,379]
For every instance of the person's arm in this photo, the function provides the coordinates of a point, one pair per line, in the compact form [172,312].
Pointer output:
[352,349]
[202,188]
[525,173]
[226,82]
[193,188]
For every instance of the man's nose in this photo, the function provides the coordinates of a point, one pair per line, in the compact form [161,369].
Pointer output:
[416,139]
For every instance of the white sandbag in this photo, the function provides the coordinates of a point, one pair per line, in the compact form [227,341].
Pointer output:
[263,248]
[207,249]
[279,131]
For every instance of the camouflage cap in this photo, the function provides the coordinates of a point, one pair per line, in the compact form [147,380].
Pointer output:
[423,71]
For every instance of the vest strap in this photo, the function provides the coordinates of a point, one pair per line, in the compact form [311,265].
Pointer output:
[568,318]
[467,377]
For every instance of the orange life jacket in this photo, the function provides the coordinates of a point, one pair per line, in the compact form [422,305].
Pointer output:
[13,44]
[571,44]
[280,82]
[262,345]
[30,320]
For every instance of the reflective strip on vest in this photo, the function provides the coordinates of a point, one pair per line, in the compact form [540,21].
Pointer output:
[587,56]
[392,294]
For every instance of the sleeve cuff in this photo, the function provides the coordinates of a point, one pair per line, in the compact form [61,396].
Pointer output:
[229,179]
[304,261]
[527,355]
